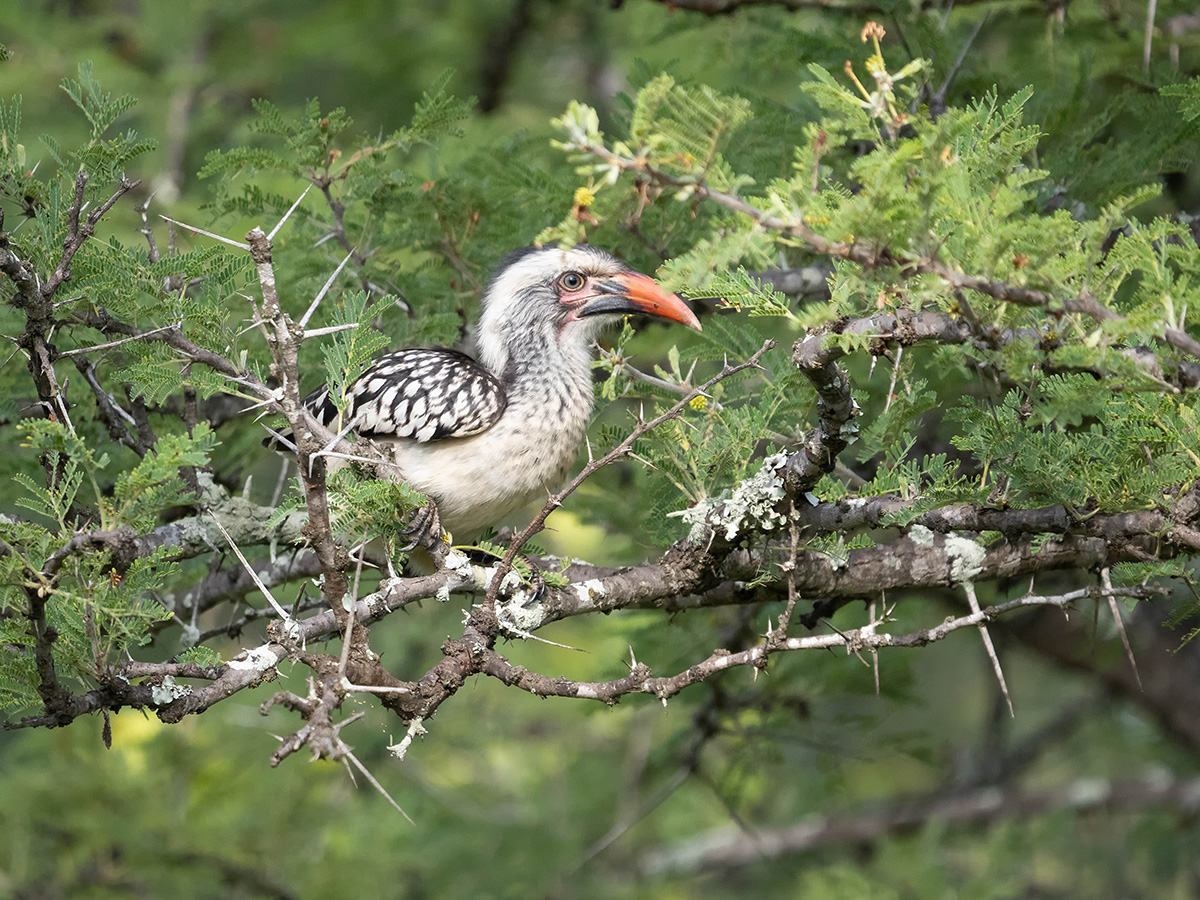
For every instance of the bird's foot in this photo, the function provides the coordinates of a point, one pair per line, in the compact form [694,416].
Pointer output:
[537,581]
[530,574]
[425,531]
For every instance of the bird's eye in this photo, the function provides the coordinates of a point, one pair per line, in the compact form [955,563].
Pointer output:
[571,281]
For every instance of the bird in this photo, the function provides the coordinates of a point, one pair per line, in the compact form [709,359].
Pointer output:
[483,436]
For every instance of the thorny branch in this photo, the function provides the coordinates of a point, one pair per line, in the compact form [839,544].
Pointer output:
[688,576]
[641,680]
[716,569]
[190,536]
[727,848]
[36,297]
[871,256]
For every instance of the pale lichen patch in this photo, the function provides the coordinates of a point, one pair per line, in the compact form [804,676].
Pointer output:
[517,616]
[921,536]
[589,591]
[168,691]
[258,659]
[751,505]
[964,556]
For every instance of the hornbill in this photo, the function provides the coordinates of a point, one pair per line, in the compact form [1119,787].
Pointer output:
[483,437]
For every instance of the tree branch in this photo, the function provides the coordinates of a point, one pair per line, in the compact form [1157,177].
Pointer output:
[870,256]
[730,847]
[641,680]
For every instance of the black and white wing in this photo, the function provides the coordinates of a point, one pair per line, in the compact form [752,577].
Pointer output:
[425,393]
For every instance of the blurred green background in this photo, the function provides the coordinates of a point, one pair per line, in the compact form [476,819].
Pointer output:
[518,798]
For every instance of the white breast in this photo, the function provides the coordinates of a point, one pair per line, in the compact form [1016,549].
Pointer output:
[480,480]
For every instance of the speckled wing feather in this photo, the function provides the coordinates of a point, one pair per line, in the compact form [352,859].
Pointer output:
[425,394]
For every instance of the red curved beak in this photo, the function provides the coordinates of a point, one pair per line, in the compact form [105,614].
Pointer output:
[635,293]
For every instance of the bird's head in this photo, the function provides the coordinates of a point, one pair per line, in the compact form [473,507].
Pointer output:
[567,297]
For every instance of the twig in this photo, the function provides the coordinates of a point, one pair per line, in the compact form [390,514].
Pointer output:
[324,290]
[727,848]
[987,644]
[661,383]
[642,681]
[79,232]
[141,335]
[266,591]
[1148,43]
[1114,607]
[216,237]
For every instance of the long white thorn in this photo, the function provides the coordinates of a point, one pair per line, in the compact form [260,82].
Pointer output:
[874,652]
[284,442]
[991,649]
[325,451]
[330,329]
[887,403]
[1115,608]
[379,787]
[216,237]
[312,308]
[643,461]
[111,344]
[509,628]
[287,215]
[258,582]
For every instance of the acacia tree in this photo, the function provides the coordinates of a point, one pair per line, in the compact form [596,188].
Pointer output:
[919,377]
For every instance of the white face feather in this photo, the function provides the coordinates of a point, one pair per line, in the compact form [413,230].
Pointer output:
[522,296]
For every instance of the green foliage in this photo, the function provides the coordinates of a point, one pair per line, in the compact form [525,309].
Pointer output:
[154,484]
[98,614]
[101,109]
[685,124]
[1053,189]
[1029,446]
[899,417]
[55,501]
[364,509]
[100,157]
[350,351]
[200,655]
[837,547]
[139,493]
[742,293]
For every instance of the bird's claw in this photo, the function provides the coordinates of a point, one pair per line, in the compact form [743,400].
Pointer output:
[425,530]
[537,581]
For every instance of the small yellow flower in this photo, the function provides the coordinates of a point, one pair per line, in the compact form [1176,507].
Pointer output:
[584,197]
[698,403]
